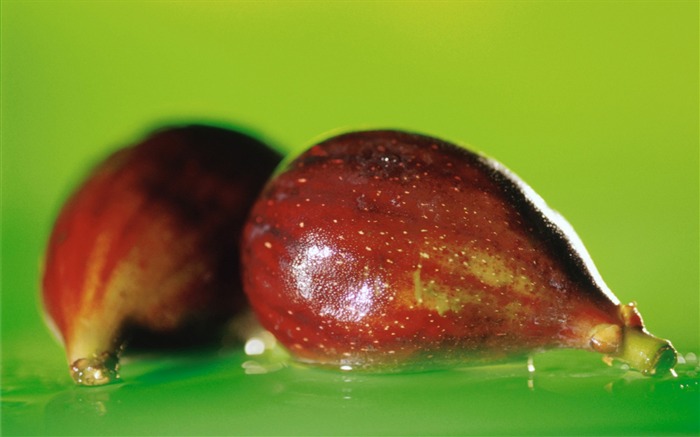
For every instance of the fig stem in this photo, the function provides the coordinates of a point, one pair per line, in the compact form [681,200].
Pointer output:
[96,370]
[648,354]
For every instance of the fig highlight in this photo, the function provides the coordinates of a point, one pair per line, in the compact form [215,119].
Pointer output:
[146,249]
[387,250]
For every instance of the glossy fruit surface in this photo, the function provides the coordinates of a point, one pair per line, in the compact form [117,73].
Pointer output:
[384,250]
[148,245]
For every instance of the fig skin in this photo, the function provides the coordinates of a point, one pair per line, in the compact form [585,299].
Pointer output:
[147,246]
[386,250]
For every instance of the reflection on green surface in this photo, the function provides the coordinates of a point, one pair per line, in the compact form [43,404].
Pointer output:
[216,393]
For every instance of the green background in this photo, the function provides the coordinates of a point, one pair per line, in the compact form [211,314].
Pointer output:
[594,104]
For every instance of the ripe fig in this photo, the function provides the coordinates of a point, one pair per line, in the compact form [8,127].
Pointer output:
[149,242]
[385,250]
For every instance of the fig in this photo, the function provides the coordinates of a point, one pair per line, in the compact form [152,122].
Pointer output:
[147,248]
[388,250]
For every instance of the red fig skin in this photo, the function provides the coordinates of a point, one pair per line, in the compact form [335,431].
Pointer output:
[149,243]
[385,250]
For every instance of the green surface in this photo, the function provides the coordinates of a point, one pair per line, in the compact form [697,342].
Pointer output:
[594,104]
[209,393]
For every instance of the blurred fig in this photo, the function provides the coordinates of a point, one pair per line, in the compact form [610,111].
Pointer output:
[148,245]
[388,250]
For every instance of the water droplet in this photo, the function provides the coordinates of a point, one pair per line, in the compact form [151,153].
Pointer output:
[97,370]
[530,365]
[254,346]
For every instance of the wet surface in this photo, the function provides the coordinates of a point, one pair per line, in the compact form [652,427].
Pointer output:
[228,392]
